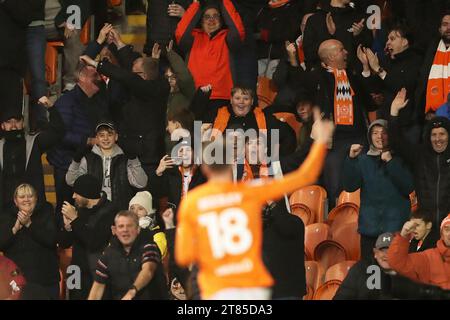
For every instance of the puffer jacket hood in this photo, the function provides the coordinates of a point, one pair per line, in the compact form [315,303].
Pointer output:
[116,151]
[380,122]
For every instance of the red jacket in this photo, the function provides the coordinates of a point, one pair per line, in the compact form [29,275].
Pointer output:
[209,58]
[431,266]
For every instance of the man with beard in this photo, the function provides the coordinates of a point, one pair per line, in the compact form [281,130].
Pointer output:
[87,228]
[434,80]
[20,153]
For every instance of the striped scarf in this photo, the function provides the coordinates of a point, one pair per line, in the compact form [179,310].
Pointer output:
[438,85]
[343,98]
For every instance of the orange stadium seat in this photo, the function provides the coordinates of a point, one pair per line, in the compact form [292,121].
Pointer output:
[266,91]
[352,197]
[85,34]
[314,235]
[303,213]
[312,196]
[51,61]
[348,237]
[338,271]
[328,253]
[309,293]
[327,290]
[314,274]
[51,54]
[65,258]
[342,214]
[290,119]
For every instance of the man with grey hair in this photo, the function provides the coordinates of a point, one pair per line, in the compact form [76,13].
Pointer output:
[80,111]
[130,251]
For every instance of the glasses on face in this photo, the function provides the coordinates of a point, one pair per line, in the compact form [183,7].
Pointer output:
[171,77]
[207,17]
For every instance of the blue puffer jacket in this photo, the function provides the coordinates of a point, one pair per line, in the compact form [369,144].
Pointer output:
[385,189]
[80,115]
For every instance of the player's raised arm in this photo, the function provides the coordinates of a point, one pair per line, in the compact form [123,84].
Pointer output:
[310,169]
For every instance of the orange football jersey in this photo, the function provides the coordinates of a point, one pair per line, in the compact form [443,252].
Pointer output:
[220,227]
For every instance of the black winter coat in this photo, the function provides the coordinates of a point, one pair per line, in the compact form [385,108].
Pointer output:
[283,252]
[431,170]
[354,286]
[90,234]
[160,26]
[121,190]
[142,129]
[287,138]
[275,26]
[32,171]
[321,85]
[33,249]
[402,72]
[316,32]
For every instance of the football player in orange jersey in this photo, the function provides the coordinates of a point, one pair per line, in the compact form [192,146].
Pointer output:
[220,224]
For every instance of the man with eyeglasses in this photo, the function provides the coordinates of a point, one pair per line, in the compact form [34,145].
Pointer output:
[429,162]
[210,36]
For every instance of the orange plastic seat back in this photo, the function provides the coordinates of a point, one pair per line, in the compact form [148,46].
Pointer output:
[348,237]
[303,213]
[309,293]
[315,234]
[65,259]
[342,214]
[313,197]
[338,271]
[290,119]
[328,253]
[352,197]
[51,61]
[266,91]
[85,34]
[314,274]
[327,291]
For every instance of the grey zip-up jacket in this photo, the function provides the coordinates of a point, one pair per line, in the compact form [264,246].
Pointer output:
[136,175]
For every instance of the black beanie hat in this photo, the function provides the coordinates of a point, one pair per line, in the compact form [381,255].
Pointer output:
[88,187]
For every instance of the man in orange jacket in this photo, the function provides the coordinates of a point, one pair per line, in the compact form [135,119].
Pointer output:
[431,266]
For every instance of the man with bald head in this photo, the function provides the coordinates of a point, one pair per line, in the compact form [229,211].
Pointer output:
[341,97]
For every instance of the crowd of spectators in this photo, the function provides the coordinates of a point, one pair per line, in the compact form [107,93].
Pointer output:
[384,80]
